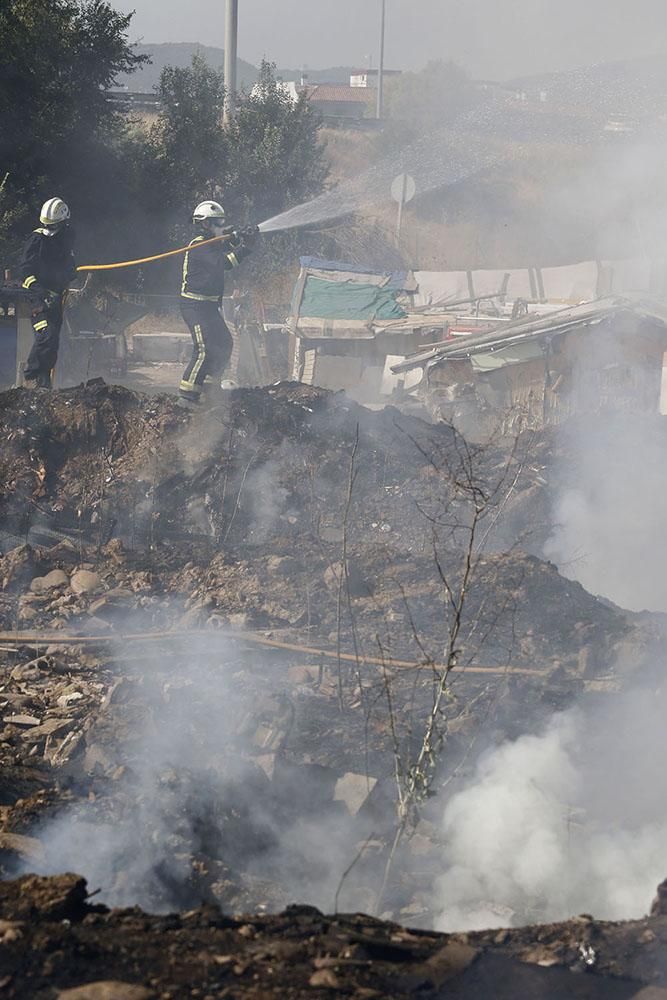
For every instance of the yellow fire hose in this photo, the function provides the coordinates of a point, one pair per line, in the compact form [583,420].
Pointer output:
[149,260]
[63,639]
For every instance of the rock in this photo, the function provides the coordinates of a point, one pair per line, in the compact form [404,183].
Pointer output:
[17,567]
[267,762]
[65,551]
[540,955]
[25,672]
[68,698]
[86,582]
[97,605]
[303,674]
[659,906]
[353,790]
[446,964]
[42,584]
[21,720]
[98,758]
[62,897]
[10,930]
[651,993]
[325,978]
[49,728]
[107,989]
[355,581]
[28,848]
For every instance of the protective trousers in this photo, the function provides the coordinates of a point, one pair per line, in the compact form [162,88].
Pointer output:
[47,320]
[212,345]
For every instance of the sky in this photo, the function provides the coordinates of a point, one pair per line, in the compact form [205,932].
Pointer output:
[493,39]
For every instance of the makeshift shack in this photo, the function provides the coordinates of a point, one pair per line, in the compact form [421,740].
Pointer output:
[350,329]
[346,327]
[602,355]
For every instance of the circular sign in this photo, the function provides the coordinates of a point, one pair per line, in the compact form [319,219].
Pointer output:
[403,189]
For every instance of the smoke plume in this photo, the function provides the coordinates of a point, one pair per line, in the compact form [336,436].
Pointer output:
[570,821]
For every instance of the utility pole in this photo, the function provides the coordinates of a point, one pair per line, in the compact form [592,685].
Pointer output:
[231,47]
[380,103]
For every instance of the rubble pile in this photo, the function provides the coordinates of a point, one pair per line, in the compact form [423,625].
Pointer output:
[58,943]
[218,638]
[287,508]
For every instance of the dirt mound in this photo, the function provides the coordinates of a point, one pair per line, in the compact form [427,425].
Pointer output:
[302,953]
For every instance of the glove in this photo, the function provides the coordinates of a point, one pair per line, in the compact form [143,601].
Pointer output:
[51,299]
[249,234]
[244,237]
[235,239]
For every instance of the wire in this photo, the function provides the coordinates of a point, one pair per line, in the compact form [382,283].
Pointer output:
[149,260]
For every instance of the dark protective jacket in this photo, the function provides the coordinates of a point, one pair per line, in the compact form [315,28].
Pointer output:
[204,270]
[48,264]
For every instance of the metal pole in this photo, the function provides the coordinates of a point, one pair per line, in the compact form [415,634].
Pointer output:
[380,102]
[399,221]
[231,46]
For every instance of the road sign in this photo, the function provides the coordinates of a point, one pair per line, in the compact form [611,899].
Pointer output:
[403,189]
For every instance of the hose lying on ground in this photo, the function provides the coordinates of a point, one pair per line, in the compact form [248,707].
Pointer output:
[63,639]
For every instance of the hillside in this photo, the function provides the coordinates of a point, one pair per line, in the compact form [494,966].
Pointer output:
[180,54]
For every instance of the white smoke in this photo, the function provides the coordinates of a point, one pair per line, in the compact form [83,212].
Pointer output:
[571,821]
[609,511]
[184,809]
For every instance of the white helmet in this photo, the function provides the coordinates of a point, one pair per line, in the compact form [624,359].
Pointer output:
[209,211]
[54,211]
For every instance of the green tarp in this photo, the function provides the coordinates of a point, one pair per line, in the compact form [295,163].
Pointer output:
[348,300]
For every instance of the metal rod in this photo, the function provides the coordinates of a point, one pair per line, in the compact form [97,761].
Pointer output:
[231,47]
[401,203]
[380,100]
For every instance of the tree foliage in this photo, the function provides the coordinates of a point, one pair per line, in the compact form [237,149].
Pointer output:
[275,159]
[267,159]
[132,188]
[59,57]
[187,142]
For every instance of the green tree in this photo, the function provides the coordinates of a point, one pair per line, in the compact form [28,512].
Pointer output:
[59,57]
[275,158]
[187,143]
[268,158]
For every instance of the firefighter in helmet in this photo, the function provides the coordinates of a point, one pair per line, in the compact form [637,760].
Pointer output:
[47,268]
[201,296]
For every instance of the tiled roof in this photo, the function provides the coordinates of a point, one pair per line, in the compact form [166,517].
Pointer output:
[337,92]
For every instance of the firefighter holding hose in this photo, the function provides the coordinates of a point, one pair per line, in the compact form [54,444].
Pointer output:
[201,295]
[47,268]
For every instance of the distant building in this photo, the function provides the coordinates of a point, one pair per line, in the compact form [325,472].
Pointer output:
[332,100]
[146,105]
[339,101]
[368,78]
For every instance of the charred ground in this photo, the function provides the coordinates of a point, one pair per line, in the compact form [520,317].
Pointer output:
[218,635]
